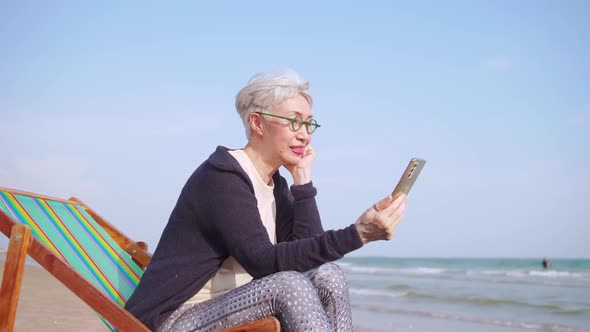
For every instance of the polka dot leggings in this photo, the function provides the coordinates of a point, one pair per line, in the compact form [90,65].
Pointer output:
[316,300]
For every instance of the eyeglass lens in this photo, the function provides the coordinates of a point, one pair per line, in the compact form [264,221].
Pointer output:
[297,122]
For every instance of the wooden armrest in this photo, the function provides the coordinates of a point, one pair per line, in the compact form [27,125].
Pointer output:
[139,254]
[268,324]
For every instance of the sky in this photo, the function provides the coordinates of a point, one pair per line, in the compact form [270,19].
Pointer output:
[118,103]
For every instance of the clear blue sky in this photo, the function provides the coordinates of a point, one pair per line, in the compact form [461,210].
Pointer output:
[118,104]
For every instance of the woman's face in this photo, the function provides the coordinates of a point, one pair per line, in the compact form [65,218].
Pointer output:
[287,146]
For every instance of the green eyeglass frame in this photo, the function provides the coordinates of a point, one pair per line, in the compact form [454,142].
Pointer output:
[297,122]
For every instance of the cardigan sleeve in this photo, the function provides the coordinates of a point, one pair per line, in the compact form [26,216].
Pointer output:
[231,213]
[297,212]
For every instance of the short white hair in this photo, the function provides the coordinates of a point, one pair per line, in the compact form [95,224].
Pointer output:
[266,91]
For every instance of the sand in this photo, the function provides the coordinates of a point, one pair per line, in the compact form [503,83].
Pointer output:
[47,305]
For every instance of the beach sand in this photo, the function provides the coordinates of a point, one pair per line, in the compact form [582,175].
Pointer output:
[47,305]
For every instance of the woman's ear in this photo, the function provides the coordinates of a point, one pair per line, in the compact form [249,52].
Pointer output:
[256,123]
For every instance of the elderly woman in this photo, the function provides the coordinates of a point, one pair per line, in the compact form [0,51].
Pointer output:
[241,245]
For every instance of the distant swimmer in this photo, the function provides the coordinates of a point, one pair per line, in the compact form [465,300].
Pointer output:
[545,263]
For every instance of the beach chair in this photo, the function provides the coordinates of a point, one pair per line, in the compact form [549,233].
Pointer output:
[86,253]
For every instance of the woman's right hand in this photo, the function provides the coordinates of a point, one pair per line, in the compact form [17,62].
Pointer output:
[380,220]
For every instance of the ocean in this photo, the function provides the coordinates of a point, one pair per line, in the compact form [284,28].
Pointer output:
[400,294]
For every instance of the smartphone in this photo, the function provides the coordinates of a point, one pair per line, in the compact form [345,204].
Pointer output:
[410,175]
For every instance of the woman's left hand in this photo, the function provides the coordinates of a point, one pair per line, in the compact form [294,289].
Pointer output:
[302,171]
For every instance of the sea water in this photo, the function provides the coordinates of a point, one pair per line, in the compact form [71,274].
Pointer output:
[398,294]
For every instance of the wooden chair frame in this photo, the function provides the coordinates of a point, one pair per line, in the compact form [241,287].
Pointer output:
[22,243]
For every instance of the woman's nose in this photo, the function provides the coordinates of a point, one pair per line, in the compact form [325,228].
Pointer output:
[303,135]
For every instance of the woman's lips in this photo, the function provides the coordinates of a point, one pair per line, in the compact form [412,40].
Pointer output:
[298,150]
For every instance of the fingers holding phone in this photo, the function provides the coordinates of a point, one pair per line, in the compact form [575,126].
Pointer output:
[394,214]
[378,223]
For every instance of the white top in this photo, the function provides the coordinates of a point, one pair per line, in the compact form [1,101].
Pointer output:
[231,274]
[267,206]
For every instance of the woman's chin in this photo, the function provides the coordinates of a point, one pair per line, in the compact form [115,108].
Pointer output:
[291,161]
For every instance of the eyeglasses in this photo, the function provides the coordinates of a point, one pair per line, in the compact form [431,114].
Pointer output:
[297,122]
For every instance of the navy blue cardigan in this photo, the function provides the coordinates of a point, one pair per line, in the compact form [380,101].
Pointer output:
[216,216]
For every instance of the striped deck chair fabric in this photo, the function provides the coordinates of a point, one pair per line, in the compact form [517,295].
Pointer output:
[71,233]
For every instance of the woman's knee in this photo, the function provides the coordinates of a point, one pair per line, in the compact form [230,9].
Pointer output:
[330,272]
[331,269]
[290,281]
[329,279]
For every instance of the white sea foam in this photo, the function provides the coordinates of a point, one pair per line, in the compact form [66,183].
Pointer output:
[556,274]
[375,292]
[371,270]
[516,273]
[421,270]
[526,274]
[424,270]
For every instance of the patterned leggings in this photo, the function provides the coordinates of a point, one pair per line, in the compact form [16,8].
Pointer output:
[316,300]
